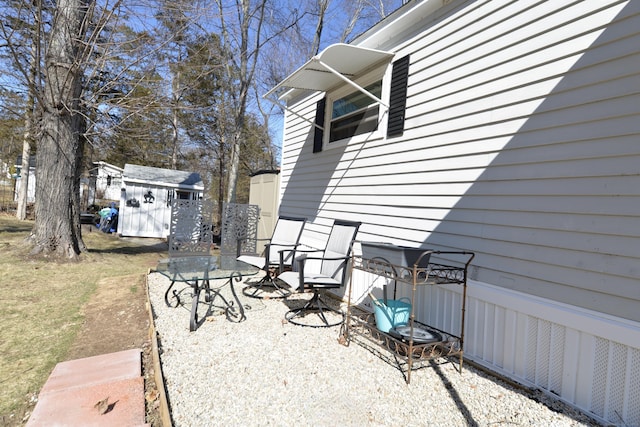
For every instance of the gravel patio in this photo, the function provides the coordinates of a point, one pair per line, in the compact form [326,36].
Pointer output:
[264,371]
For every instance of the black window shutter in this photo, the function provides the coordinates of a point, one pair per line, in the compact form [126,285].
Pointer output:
[317,132]
[398,97]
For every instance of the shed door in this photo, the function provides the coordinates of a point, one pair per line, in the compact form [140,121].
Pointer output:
[264,192]
[145,211]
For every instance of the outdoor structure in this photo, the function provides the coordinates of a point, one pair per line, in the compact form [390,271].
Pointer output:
[509,129]
[105,182]
[102,186]
[263,192]
[31,186]
[146,195]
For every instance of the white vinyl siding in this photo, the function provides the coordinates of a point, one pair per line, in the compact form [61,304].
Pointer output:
[520,144]
[147,219]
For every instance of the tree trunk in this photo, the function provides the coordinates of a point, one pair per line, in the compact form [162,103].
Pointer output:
[57,226]
[29,121]
[23,191]
[245,77]
[323,5]
[234,165]
[175,89]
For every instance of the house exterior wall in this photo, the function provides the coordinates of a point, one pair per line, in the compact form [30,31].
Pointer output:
[108,182]
[521,145]
[31,187]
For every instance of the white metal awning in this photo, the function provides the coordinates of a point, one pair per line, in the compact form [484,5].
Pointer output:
[336,64]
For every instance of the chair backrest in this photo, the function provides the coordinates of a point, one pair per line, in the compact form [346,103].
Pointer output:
[191,227]
[339,245]
[286,235]
[239,228]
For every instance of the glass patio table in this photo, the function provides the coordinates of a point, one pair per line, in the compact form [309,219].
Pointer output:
[197,272]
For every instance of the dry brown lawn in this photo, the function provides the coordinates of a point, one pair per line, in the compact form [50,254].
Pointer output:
[52,311]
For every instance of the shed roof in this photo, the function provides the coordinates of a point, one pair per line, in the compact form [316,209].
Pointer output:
[108,166]
[163,177]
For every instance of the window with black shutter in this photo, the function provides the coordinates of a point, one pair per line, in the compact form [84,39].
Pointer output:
[347,114]
[398,97]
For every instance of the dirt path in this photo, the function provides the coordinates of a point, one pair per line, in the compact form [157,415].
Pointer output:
[116,319]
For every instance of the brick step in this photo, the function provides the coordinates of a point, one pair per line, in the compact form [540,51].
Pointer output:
[71,394]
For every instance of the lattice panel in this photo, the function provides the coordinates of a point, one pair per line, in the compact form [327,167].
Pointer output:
[616,383]
[543,348]
[556,357]
[618,367]
[239,224]
[599,384]
[632,417]
[191,228]
[545,353]
[532,345]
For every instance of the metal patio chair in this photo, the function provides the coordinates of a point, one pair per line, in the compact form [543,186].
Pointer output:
[278,253]
[191,227]
[190,236]
[239,230]
[329,270]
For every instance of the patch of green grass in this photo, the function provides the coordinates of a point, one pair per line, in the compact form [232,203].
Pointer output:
[41,301]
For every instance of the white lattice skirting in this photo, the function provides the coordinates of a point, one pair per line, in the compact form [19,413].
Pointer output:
[587,359]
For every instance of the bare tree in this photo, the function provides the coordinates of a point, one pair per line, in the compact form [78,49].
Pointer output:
[322,6]
[21,35]
[246,26]
[174,28]
[57,226]
[102,77]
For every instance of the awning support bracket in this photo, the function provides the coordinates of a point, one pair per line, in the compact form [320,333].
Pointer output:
[351,82]
[284,107]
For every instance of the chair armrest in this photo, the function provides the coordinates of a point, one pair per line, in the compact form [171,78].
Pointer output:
[345,258]
[301,260]
[267,252]
[281,253]
[246,238]
[306,251]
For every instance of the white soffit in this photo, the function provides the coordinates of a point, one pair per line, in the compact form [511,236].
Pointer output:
[319,73]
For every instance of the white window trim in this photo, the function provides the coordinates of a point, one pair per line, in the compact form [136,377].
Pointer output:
[361,82]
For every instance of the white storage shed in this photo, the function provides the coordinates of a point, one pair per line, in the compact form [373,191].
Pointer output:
[146,195]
